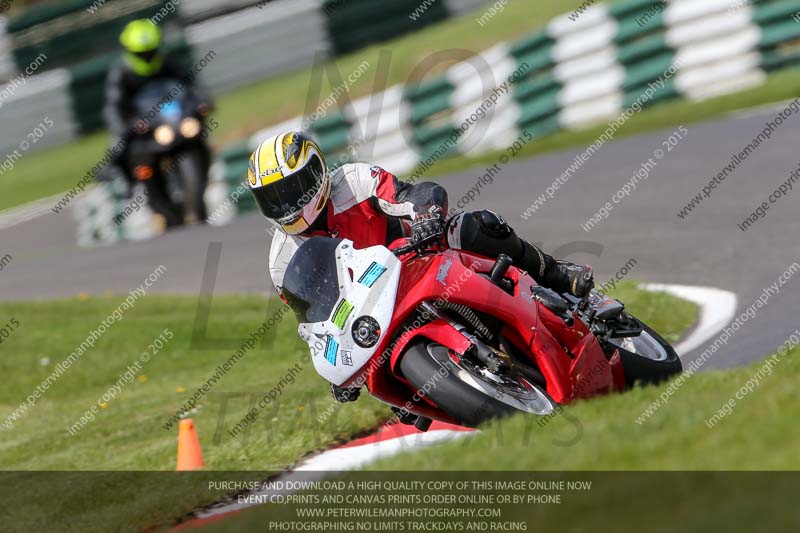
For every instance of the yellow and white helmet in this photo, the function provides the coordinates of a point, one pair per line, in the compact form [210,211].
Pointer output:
[289,180]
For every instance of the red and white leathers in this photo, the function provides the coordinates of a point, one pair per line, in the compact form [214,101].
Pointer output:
[368,205]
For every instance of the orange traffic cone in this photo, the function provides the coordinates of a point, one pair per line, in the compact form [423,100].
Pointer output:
[190,457]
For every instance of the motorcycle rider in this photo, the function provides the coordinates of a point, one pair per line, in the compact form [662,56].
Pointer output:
[293,188]
[142,63]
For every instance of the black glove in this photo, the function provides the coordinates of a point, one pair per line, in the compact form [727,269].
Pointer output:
[575,279]
[427,226]
[345,394]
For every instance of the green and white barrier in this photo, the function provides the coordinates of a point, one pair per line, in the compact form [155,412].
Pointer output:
[259,41]
[7,67]
[27,103]
[105,216]
[569,75]
[250,40]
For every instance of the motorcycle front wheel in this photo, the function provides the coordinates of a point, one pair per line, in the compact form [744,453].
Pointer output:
[468,392]
[194,178]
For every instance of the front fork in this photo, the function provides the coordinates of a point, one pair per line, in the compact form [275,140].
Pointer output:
[495,361]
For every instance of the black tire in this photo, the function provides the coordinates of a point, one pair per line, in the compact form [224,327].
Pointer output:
[193,179]
[649,371]
[160,202]
[463,402]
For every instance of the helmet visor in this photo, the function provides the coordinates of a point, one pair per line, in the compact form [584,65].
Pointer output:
[148,56]
[283,200]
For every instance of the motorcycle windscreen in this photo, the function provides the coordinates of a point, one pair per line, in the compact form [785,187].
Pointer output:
[310,285]
[162,97]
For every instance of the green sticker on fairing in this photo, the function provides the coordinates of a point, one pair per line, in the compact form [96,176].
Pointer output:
[341,313]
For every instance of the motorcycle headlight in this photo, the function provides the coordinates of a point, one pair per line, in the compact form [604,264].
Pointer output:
[366,331]
[164,135]
[190,127]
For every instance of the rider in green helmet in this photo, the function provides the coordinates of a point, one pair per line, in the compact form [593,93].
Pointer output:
[142,39]
[143,62]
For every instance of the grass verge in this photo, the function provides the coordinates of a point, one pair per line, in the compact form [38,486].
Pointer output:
[129,434]
[133,430]
[758,434]
[720,456]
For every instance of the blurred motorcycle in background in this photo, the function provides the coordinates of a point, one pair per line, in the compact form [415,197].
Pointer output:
[169,153]
[169,159]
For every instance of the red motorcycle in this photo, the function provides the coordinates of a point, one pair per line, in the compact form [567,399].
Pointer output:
[454,336]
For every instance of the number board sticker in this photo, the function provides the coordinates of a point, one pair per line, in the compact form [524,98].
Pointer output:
[342,313]
[331,347]
[371,274]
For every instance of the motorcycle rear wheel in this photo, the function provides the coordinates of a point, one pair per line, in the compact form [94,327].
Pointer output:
[466,392]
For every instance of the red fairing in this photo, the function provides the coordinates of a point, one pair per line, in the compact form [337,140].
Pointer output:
[569,357]
[393,389]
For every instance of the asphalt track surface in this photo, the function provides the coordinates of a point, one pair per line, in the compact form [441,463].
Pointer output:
[706,248]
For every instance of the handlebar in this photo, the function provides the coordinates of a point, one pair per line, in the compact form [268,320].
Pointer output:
[404,249]
[417,246]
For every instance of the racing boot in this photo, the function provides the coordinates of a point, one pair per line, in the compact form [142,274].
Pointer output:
[561,276]
[564,276]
